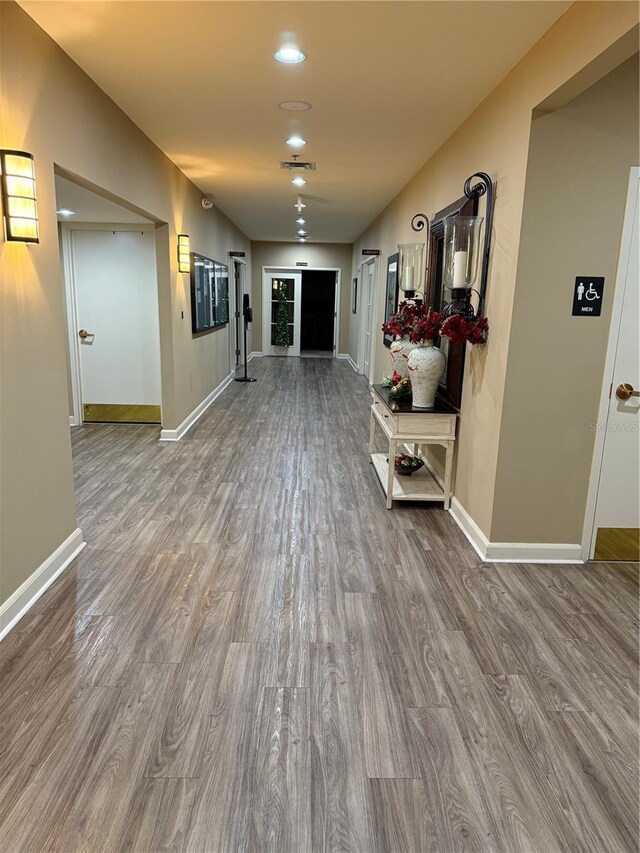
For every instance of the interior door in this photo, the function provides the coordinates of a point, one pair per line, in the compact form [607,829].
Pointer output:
[282,293]
[368,272]
[117,325]
[616,534]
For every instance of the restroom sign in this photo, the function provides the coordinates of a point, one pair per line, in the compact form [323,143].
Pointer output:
[587,296]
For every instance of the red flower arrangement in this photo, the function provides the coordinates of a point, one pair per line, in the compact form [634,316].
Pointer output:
[418,323]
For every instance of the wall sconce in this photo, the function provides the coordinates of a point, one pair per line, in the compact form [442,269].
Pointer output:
[19,203]
[462,248]
[184,253]
[411,268]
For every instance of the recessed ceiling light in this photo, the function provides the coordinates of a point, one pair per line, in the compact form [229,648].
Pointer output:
[296,142]
[302,239]
[290,54]
[64,212]
[302,232]
[300,221]
[299,182]
[295,106]
[299,205]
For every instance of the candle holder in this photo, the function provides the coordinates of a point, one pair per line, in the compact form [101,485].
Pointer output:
[460,261]
[411,268]
[462,249]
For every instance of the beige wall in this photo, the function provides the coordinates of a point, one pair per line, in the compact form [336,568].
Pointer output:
[577,179]
[495,139]
[52,109]
[315,255]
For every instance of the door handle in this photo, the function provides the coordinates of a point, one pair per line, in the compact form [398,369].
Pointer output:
[83,334]
[625,391]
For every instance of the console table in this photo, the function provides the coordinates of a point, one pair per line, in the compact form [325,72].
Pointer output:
[404,425]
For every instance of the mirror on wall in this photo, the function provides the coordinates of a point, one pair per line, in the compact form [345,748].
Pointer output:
[436,296]
[209,294]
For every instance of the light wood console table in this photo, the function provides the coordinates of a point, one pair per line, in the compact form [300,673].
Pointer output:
[404,425]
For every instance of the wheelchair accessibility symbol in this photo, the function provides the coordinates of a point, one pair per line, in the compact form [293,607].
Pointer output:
[587,296]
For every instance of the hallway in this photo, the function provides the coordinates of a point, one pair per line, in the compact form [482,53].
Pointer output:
[253,654]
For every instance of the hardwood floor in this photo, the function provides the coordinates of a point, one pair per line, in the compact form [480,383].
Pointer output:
[253,654]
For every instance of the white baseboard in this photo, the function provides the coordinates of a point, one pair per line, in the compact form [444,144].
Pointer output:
[511,552]
[200,409]
[73,421]
[348,358]
[254,355]
[19,602]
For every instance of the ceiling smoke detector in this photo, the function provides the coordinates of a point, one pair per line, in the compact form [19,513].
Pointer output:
[295,106]
[206,203]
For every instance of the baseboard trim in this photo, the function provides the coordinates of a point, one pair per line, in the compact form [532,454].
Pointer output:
[23,599]
[254,355]
[347,357]
[511,552]
[200,409]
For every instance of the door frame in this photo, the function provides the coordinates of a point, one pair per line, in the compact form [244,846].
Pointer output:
[236,338]
[71,301]
[369,262]
[588,532]
[270,269]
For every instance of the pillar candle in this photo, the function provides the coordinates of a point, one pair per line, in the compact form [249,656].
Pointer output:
[459,269]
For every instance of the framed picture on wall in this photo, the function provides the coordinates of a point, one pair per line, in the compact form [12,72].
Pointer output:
[391,299]
[354,296]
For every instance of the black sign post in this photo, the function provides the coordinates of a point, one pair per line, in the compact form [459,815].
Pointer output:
[587,296]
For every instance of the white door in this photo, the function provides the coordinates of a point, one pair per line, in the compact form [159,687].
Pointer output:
[117,324]
[281,301]
[615,534]
[368,295]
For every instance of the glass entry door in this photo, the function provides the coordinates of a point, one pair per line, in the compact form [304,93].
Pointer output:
[281,313]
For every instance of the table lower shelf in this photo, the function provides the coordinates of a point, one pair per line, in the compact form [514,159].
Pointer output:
[420,486]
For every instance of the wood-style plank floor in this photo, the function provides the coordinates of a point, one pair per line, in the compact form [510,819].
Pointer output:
[253,654]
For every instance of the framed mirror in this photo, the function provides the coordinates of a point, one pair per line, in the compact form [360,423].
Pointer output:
[450,388]
[391,298]
[209,294]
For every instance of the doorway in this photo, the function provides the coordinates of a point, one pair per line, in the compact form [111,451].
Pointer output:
[285,298]
[613,509]
[238,273]
[112,309]
[366,309]
[317,313]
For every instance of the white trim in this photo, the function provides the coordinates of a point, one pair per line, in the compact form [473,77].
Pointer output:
[254,355]
[19,602]
[511,552]
[200,409]
[68,270]
[347,357]
[588,531]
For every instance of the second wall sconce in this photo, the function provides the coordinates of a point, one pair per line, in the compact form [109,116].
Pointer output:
[19,201]
[184,253]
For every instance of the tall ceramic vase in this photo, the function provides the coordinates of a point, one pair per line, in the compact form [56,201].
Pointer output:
[400,350]
[426,365]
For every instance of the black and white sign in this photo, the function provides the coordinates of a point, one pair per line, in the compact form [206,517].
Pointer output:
[587,296]
[371,252]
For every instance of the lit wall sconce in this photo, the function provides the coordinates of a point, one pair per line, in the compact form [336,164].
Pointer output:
[19,203]
[462,249]
[184,253]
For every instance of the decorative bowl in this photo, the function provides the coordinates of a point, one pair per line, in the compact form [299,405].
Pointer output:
[405,464]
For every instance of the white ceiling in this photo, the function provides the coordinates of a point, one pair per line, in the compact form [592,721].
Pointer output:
[89,207]
[389,82]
